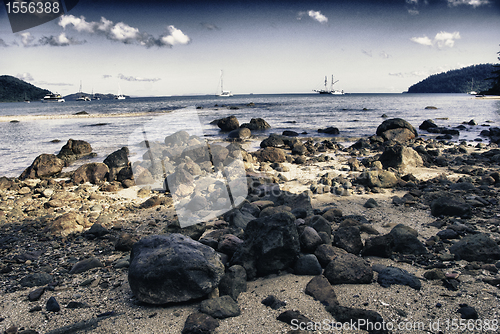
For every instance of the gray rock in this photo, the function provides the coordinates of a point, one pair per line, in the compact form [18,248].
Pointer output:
[478,247]
[392,275]
[200,323]
[45,165]
[220,308]
[381,246]
[307,265]
[310,239]
[241,133]
[85,265]
[258,124]
[173,268]
[233,282]
[36,279]
[228,123]
[322,290]
[52,305]
[449,206]
[326,253]
[406,241]
[177,138]
[348,269]
[398,124]
[371,203]
[348,238]
[378,178]
[399,156]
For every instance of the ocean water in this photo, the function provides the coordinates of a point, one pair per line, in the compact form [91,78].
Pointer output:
[116,123]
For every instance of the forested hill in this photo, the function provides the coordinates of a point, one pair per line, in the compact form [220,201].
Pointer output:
[457,81]
[14,90]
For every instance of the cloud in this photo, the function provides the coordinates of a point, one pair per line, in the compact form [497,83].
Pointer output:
[106,76]
[122,32]
[441,40]
[45,83]
[2,43]
[368,53]
[25,76]
[209,26]
[26,39]
[410,74]
[384,54]
[131,78]
[473,3]
[61,40]
[315,15]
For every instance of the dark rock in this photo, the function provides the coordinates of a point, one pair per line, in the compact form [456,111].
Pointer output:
[429,123]
[478,247]
[307,265]
[348,238]
[371,203]
[326,253]
[348,269]
[36,294]
[451,284]
[320,224]
[45,165]
[295,316]
[273,302]
[74,149]
[97,230]
[310,239]
[272,141]
[200,323]
[362,319]
[85,265]
[173,268]
[52,305]
[379,246]
[331,214]
[233,282]
[330,130]
[218,154]
[448,234]
[125,242]
[270,244]
[36,279]
[299,149]
[392,275]
[220,307]
[290,133]
[228,123]
[434,274]
[256,124]
[448,206]
[399,156]
[396,129]
[270,154]
[406,241]
[321,290]
[467,312]
[229,244]
[378,179]
[75,305]
[241,133]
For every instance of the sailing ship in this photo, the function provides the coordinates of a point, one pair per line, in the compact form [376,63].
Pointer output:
[26,100]
[472,91]
[120,95]
[82,96]
[330,90]
[223,93]
[53,98]
[93,95]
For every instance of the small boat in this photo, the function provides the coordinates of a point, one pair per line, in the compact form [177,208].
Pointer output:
[472,91]
[82,96]
[53,98]
[223,93]
[95,97]
[26,100]
[120,95]
[330,90]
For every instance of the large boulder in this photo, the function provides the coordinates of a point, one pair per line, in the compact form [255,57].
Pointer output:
[348,269]
[399,156]
[450,206]
[478,247]
[396,129]
[270,244]
[378,178]
[45,165]
[349,239]
[68,223]
[270,154]
[174,268]
[178,138]
[241,133]
[406,241]
[256,124]
[228,123]
[117,159]
[74,149]
[94,173]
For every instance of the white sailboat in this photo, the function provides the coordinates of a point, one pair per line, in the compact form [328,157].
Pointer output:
[330,90]
[82,96]
[120,95]
[223,93]
[472,91]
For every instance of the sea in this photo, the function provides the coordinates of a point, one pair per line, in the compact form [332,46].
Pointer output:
[30,129]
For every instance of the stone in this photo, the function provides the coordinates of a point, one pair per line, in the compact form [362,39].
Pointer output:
[74,149]
[392,275]
[434,274]
[36,294]
[270,244]
[233,282]
[448,206]
[326,253]
[200,323]
[218,154]
[229,244]
[307,265]
[310,239]
[241,133]
[402,157]
[273,140]
[320,288]
[477,247]
[331,130]
[273,302]
[125,242]
[378,179]
[173,268]
[228,123]
[270,154]
[403,130]
[290,317]
[290,133]
[429,123]
[380,246]
[349,239]
[220,307]
[331,214]
[258,124]
[68,223]
[406,241]
[348,269]
[370,203]
[117,159]
[45,165]
[467,312]
[94,172]
[178,138]
[85,265]
[36,279]
[52,305]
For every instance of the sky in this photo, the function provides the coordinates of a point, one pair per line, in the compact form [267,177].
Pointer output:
[170,48]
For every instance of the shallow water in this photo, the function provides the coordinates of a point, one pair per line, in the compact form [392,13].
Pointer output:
[354,114]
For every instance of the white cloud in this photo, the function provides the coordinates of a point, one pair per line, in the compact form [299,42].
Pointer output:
[316,15]
[368,53]
[131,78]
[384,54]
[441,40]
[26,38]
[25,76]
[61,40]
[122,32]
[473,3]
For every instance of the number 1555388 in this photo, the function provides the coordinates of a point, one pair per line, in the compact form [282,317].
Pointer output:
[17,7]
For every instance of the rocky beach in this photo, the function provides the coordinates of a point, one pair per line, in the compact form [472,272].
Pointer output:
[391,234]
